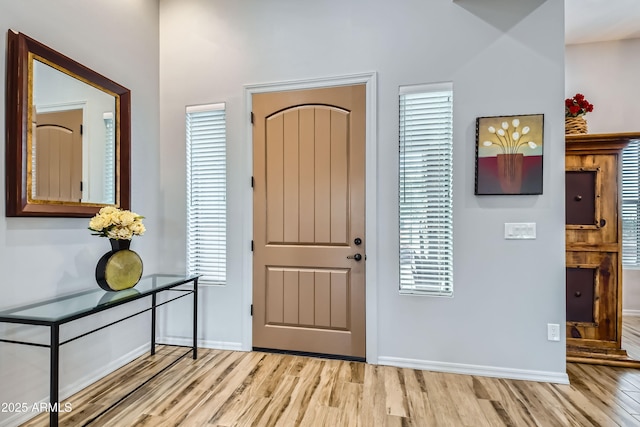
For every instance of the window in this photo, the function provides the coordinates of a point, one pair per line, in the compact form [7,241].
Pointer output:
[630,205]
[207,193]
[426,204]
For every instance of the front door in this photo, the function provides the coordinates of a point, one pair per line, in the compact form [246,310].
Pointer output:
[58,156]
[309,220]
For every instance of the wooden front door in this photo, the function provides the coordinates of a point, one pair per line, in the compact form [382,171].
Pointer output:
[58,156]
[309,220]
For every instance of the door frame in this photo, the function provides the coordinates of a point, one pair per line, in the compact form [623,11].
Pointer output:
[371,190]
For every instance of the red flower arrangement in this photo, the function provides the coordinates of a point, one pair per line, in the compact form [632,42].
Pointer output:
[577,106]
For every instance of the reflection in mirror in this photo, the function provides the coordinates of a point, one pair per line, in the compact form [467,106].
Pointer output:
[73,140]
[68,134]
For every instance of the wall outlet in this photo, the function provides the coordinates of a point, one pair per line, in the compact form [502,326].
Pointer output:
[553,332]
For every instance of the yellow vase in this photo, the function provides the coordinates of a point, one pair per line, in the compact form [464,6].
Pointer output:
[120,268]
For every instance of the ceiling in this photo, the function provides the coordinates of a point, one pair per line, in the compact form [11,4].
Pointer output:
[588,21]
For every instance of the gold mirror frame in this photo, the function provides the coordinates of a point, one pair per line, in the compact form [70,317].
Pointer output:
[21,50]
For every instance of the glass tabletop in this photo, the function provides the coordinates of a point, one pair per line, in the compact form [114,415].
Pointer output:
[59,309]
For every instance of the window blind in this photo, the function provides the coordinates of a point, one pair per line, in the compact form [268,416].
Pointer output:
[109,194]
[630,195]
[426,204]
[207,193]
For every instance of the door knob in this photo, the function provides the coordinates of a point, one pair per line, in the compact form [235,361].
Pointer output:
[357,257]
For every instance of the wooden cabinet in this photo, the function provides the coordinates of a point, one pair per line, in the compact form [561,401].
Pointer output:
[594,248]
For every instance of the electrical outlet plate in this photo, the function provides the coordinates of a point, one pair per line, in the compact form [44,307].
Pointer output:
[553,332]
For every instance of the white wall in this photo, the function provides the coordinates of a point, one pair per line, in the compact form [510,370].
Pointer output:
[500,63]
[40,257]
[607,73]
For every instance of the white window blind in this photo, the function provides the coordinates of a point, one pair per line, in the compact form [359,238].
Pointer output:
[207,193]
[109,194]
[426,204]
[630,194]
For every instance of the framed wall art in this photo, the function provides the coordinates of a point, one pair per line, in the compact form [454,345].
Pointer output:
[509,154]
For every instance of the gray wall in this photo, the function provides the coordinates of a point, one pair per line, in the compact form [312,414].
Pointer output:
[500,63]
[41,258]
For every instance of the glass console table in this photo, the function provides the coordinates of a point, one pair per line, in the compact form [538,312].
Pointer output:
[64,309]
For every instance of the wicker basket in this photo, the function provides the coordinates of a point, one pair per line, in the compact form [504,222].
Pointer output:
[575,125]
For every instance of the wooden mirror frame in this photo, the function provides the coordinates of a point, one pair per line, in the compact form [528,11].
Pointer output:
[20,50]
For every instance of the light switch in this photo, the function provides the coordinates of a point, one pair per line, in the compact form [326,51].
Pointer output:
[520,230]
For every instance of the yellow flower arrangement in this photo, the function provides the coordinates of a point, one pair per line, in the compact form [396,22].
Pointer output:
[117,224]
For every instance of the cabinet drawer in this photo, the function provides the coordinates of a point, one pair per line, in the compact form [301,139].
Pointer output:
[592,295]
[580,197]
[580,294]
[591,199]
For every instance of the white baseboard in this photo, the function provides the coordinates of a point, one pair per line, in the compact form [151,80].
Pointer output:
[483,371]
[629,312]
[71,389]
[188,342]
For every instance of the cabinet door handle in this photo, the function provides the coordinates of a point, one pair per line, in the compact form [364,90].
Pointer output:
[578,294]
[577,198]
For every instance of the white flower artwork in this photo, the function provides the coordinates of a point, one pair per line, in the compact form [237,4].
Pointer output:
[509,154]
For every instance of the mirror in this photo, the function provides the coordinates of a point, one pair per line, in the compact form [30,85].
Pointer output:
[68,135]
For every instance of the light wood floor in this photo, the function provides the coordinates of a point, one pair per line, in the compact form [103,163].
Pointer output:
[226,388]
[631,336]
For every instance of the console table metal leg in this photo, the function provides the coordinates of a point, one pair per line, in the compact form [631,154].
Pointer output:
[53,375]
[153,324]
[195,319]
